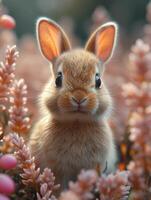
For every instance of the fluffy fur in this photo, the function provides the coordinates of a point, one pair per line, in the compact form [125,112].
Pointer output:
[67,139]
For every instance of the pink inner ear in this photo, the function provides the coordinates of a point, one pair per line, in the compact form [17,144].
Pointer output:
[105,42]
[49,38]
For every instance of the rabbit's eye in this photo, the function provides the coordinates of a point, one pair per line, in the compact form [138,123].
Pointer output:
[59,80]
[97,81]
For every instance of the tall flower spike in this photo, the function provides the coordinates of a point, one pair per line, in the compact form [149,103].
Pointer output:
[140,58]
[25,162]
[42,183]
[19,121]
[7,69]
[138,97]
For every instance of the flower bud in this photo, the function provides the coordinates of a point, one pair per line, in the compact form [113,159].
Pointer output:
[7,185]
[7,22]
[8,161]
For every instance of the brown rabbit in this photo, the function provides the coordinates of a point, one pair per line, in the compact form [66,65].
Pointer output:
[73,131]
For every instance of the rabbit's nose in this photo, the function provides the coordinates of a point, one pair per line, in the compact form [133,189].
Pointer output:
[77,101]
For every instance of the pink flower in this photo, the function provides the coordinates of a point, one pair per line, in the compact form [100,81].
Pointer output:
[8,161]
[7,22]
[7,75]
[7,185]
[19,121]
[3,197]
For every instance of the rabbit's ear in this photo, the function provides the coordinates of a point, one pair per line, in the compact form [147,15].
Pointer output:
[51,38]
[102,41]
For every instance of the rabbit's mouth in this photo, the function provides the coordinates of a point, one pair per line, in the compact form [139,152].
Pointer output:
[80,111]
[78,103]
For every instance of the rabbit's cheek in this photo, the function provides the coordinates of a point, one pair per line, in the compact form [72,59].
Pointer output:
[64,104]
[92,104]
[51,104]
[104,104]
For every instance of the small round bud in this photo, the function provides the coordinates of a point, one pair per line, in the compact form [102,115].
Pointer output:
[7,185]
[8,161]
[7,22]
[3,197]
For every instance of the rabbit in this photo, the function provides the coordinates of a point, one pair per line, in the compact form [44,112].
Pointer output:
[73,132]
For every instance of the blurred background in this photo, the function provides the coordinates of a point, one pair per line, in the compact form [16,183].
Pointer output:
[127,76]
[78,18]
[130,15]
